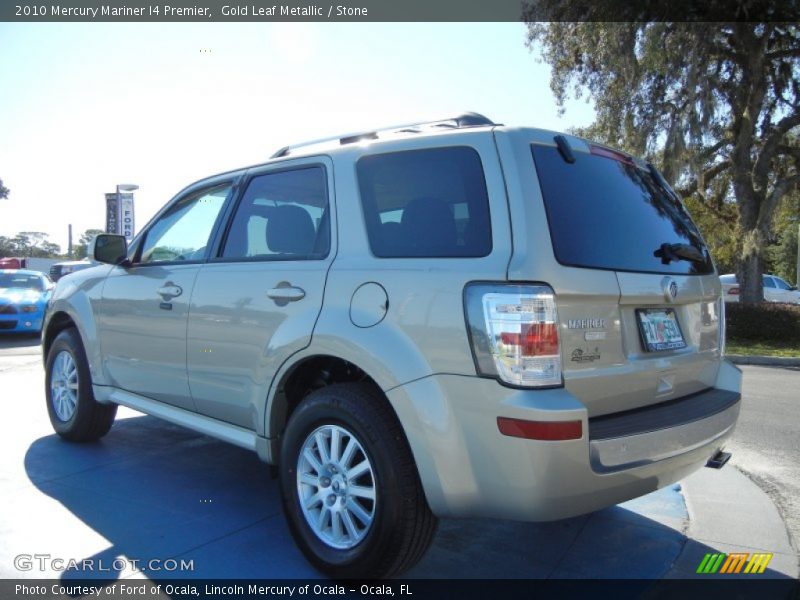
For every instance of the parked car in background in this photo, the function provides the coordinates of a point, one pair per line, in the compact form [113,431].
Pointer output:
[23,300]
[32,263]
[12,262]
[775,289]
[58,270]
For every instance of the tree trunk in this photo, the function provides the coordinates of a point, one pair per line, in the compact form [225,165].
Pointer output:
[751,267]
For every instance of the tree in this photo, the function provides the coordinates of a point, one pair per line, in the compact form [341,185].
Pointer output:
[719,226]
[4,191]
[782,252]
[783,255]
[6,247]
[32,244]
[715,105]
[82,247]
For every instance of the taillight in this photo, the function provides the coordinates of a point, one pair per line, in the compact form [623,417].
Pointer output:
[513,330]
[734,291]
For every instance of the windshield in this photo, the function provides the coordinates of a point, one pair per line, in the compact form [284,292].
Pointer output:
[605,213]
[22,281]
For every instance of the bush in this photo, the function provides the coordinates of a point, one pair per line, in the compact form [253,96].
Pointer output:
[767,321]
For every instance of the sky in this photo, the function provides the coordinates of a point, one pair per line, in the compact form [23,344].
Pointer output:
[87,106]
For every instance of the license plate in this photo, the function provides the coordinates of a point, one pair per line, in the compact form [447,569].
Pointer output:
[659,329]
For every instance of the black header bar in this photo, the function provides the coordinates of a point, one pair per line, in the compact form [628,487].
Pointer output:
[398,10]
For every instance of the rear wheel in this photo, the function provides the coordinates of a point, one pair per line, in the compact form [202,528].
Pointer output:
[350,487]
[74,413]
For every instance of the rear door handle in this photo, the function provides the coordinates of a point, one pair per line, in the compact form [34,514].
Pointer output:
[285,292]
[169,291]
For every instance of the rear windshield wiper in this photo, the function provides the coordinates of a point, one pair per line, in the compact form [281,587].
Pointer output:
[669,252]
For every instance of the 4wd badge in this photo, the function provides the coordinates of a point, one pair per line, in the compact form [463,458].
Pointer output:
[581,356]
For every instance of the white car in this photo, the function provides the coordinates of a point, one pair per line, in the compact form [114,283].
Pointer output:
[775,289]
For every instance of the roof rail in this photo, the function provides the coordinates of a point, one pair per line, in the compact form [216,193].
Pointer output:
[468,119]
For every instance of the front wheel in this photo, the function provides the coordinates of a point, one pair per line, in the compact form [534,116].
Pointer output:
[74,413]
[350,488]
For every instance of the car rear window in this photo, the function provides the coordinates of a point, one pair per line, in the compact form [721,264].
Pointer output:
[429,203]
[606,213]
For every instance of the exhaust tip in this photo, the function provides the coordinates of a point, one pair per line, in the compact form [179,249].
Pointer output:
[718,460]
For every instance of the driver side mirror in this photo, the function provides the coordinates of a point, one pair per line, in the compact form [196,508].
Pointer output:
[110,249]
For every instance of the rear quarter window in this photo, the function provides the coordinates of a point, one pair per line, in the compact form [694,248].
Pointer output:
[429,203]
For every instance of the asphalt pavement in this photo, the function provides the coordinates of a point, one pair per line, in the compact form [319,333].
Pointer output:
[151,490]
[766,443]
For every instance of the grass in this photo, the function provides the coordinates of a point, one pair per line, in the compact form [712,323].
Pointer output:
[762,348]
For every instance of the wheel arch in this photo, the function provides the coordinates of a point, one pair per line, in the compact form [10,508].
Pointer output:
[76,313]
[303,376]
[57,323]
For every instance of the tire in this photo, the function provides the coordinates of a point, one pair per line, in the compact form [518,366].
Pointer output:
[74,413]
[393,531]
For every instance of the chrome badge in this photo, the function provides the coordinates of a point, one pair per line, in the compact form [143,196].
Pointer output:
[670,289]
[586,323]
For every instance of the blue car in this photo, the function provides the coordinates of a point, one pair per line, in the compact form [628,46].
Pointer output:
[23,300]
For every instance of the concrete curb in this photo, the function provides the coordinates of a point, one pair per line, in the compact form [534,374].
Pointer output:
[767,361]
[729,513]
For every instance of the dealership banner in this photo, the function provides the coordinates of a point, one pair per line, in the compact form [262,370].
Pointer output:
[126,220]
[112,213]
[120,214]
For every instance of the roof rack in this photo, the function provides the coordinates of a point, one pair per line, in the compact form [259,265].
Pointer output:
[468,119]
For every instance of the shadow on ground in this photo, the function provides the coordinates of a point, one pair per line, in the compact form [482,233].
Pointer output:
[152,490]
[20,340]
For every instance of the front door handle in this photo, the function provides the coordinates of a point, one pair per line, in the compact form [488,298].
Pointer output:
[170,291]
[285,292]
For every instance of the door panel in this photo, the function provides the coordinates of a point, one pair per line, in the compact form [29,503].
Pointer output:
[143,341]
[143,313]
[239,336]
[256,304]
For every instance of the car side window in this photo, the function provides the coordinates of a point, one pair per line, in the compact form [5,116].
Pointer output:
[426,203]
[768,282]
[781,284]
[182,233]
[283,215]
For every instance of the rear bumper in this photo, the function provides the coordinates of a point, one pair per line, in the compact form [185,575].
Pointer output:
[468,468]
[639,437]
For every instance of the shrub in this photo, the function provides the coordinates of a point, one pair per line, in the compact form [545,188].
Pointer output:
[767,321]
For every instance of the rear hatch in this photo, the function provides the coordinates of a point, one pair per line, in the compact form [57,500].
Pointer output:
[637,296]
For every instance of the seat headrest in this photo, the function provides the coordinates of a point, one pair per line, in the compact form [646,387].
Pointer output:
[429,225]
[290,230]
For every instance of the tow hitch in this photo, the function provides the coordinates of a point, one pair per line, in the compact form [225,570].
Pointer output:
[718,460]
